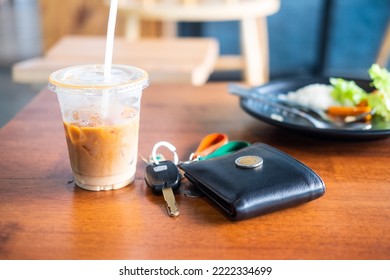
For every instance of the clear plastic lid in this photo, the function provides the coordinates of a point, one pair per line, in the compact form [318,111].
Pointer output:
[90,78]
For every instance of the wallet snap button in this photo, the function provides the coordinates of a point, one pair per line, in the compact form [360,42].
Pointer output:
[249,162]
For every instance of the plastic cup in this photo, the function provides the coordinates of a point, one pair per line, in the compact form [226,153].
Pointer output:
[101,122]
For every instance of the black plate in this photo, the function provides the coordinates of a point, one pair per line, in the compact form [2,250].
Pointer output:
[379,129]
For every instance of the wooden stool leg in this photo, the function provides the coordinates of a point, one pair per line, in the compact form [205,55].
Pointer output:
[169,29]
[384,51]
[254,44]
[133,28]
[263,36]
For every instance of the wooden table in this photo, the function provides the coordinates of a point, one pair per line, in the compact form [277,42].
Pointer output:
[183,60]
[42,216]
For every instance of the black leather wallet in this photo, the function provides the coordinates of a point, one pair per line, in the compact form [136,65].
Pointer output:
[253,181]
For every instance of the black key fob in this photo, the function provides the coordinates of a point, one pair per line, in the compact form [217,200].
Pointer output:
[162,175]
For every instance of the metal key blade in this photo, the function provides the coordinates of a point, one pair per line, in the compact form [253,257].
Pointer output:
[170,202]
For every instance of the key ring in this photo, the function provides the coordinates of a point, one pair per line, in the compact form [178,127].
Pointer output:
[167,145]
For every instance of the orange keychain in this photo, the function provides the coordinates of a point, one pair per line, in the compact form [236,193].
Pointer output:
[209,144]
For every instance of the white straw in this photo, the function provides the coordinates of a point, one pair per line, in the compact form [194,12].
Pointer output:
[109,52]
[110,39]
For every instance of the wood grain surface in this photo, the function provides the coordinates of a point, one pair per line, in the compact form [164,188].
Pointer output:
[43,216]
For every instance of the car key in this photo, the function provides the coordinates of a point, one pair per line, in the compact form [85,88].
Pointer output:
[164,178]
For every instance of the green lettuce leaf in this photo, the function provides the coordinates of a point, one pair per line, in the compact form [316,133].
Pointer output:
[380,100]
[376,101]
[347,93]
[380,78]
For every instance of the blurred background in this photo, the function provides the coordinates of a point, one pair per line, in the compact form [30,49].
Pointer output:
[306,37]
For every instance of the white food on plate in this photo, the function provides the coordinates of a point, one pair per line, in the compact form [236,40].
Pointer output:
[316,96]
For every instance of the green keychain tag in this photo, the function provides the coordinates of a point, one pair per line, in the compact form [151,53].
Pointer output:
[226,149]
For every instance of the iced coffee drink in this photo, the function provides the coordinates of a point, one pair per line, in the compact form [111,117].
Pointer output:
[101,122]
[100,154]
